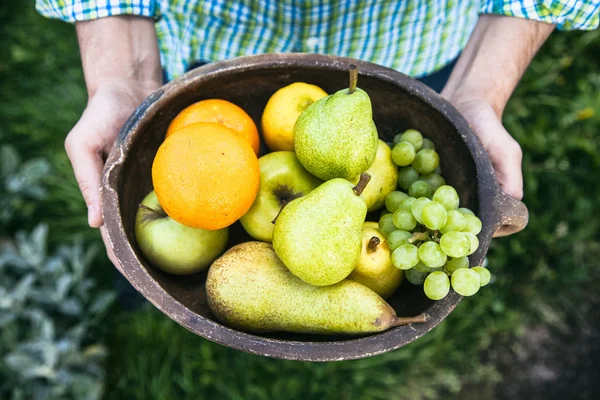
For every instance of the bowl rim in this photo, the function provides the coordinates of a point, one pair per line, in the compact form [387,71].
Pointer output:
[346,348]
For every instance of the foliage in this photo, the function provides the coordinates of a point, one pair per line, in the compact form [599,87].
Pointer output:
[49,309]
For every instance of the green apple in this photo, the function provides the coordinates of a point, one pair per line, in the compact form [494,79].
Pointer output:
[282,179]
[384,177]
[171,246]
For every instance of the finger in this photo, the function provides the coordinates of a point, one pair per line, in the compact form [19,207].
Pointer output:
[87,164]
[510,176]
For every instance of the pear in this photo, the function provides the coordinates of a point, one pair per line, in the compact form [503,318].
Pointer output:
[335,137]
[248,288]
[375,269]
[317,236]
[384,178]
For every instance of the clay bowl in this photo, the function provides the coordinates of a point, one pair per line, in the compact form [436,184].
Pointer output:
[399,103]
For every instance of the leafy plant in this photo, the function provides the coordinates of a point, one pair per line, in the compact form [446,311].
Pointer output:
[49,312]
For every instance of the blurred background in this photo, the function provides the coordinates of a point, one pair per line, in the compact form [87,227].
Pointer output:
[533,333]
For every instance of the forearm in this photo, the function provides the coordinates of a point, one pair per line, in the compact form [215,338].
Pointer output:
[119,48]
[495,58]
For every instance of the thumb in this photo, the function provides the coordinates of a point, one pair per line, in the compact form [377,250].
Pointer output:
[87,164]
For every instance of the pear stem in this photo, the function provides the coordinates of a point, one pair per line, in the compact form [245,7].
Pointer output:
[362,183]
[372,245]
[353,70]
[419,319]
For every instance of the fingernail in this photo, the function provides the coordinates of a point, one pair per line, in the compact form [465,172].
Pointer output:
[92,213]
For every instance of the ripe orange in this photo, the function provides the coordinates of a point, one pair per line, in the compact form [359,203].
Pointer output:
[221,112]
[205,176]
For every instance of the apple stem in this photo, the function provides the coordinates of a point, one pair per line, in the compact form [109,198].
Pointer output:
[353,70]
[283,204]
[373,243]
[419,319]
[362,183]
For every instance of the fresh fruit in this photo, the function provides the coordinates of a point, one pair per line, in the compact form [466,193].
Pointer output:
[434,180]
[384,175]
[375,269]
[484,275]
[403,154]
[415,277]
[455,221]
[413,137]
[406,256]
[397,238]
[456,263]
[465,282]
[426,161]
[434,215]
[455,244]
[335,137]
[404,220]
[473,224]
[282,179]
[394,199]
[205,176]
[386,224]
[427,144]
[318,236]
[220,112]
[432,255]
[406,177]
[447,196]
[282,111]
[249,288]
[419,188]
[171,246]
[417,208]
[436,285]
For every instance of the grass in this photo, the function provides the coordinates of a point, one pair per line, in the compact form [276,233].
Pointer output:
[543,276]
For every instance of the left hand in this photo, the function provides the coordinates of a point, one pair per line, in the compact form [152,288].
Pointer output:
[504,151]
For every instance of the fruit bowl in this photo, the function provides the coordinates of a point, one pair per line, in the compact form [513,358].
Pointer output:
[399,103]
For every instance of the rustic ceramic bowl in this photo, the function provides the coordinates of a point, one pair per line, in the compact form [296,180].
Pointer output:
[399,103]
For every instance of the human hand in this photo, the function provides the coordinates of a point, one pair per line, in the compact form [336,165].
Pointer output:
[504,152]
[90,141]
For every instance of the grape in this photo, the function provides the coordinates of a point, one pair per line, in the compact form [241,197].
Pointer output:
[456,263]
[432,255]
[454,222]
[406,176]
[383,212]
[484,275]
[434,180]
[473,224]
[417,208]
[407,203]
[426,161]
[427,144]
[424,268]
[413,137]
[404,220]
[473,240]
[465,282]
[419,189]
[455,244]
[386,225]
[398,238]
[464,210]
[415,277]
[397,139]
[438,170]
[436,285]
[447,196]
[403,154]
[393,200]
[406,256]
[434,215]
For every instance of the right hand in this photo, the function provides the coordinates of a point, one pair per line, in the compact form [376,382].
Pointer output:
[92,138]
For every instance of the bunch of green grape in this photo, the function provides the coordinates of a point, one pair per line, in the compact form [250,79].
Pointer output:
[429,235]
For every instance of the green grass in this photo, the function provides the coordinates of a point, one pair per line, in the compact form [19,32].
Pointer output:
[542,275]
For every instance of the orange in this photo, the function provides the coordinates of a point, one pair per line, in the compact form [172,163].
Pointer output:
[205,176]
[221,112]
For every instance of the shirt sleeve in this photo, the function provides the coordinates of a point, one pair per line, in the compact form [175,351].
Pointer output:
[565,14]
[85,10]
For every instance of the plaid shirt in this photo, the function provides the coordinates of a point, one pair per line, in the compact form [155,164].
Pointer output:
[416,37]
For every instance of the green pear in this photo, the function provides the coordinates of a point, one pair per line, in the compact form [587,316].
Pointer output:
[282,179]
[174,247]
[248,288]
[375,269]
[318,236]
[335,137]
[384,178]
